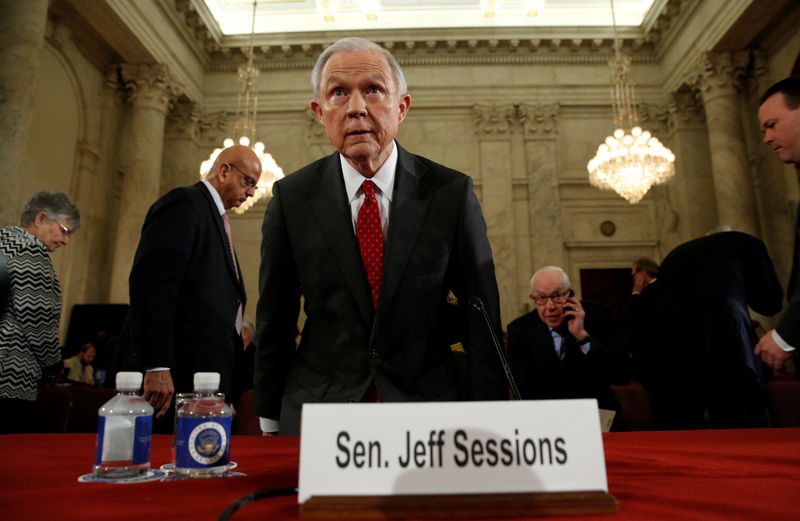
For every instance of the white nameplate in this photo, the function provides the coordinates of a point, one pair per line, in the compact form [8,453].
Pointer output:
[451,448]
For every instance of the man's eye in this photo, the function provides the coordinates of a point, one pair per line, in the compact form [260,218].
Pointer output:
[374,90]
[338,92]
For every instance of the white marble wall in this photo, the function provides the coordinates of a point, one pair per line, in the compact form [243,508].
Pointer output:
[521,119]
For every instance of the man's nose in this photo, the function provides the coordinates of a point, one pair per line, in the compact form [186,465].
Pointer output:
[768,137]
[356,105]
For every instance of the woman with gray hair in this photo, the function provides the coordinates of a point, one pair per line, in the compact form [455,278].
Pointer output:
[31,307]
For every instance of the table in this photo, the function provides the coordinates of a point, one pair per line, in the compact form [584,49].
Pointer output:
[683,475]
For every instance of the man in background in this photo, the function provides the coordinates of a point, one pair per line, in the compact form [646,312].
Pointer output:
[640,313]
[186,290]
[373,238]
[702,368]
[79,367]
[780,121]
[566,348]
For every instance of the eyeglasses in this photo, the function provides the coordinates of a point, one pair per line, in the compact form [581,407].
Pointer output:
[66,231]
[558,298]
[249,182]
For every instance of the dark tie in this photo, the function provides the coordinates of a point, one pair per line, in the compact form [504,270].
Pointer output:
[370,239]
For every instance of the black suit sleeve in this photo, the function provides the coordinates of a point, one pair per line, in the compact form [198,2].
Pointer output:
[161,260]
[477,278]
[277,311]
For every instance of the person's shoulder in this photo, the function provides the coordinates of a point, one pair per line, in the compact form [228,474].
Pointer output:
[528,320]
[428,166]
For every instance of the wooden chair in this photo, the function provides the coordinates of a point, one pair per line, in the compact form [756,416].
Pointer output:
[246,421]
[51,410]
[783,398]
[85,403]
[634,406]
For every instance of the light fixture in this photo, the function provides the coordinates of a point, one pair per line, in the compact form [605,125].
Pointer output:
[631,160]
[244,130]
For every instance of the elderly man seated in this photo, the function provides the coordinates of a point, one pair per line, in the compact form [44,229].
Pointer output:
[566,348]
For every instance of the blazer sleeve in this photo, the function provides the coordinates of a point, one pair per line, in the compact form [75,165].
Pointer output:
[478,280]
[161,260]
[277,310]
[789,326]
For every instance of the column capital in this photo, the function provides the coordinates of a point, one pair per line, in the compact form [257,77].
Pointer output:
[685,109]
[187,118]
[315,132]
[151,86]
[721,71]
[493,121]
[538,121]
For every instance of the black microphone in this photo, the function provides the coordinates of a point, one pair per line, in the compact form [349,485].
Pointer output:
[477,303]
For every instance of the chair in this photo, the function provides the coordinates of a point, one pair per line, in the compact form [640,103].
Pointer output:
[783,398]
[634,406]
[85,403]
[246,421]
[51,409]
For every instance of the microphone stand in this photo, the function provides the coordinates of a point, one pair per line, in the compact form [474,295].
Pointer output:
[477,303]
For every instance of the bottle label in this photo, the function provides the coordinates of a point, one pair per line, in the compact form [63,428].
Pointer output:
[203,442]
[123,440]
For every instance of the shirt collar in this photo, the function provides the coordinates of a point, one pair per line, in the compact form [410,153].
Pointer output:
[215,196]
[383,178]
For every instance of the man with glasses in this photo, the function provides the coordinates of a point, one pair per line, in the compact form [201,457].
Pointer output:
[566,348]
[186,290]
[31,306]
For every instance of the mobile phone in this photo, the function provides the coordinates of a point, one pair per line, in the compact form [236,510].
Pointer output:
[570,317]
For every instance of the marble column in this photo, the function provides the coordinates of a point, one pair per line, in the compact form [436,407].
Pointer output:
[544,227]
[149,88]
[718,80]
[692,191]
[493,126]
[22,28]
[187,125]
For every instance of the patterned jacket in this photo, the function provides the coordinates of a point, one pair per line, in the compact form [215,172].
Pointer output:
[29,316]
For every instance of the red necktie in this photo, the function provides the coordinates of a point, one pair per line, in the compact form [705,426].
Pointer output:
[370,238]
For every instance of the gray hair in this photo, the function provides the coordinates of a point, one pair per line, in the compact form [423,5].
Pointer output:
[719,229]
[355,45]
[565,283]
[54,204]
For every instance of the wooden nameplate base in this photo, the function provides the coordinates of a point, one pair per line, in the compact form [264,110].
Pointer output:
[459,505]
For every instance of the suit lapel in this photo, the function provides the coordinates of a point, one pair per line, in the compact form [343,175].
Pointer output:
[410,203]
[223,237]
[332,214]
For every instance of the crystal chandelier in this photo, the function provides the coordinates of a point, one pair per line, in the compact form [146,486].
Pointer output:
[245,129]
[631,160]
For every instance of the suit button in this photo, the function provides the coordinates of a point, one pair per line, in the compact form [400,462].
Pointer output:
[373,353]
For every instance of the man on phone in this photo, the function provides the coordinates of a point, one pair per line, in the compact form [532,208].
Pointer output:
[567,348]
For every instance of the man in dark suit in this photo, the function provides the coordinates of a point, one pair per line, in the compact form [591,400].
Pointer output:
[780,122]
[373,238]
[702,361]
[186,290]
[640,313]
[566,348]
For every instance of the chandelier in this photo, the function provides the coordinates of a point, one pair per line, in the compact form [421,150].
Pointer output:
[631,160]
[244,130]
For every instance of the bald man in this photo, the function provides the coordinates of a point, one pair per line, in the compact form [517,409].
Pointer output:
[186,290]
[780,121]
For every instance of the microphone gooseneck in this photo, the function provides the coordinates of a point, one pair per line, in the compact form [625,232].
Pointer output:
[477,303]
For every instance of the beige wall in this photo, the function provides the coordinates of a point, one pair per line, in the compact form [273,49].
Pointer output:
[522,121]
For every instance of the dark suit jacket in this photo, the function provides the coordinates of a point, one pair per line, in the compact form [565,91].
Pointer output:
[789,326]
[542,375]
[184,291]
[436,242]
[702,325]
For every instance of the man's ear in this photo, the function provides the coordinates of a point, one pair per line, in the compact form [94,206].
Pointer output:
[315,106]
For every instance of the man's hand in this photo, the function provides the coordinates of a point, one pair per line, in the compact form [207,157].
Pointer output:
[639,281]
[158,390]
[771,353]
[575,325]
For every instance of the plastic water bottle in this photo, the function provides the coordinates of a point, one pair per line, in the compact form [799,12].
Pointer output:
[203,432]
[124,430]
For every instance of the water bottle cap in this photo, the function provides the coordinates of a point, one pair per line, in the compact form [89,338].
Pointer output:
[206,381]
[129,380]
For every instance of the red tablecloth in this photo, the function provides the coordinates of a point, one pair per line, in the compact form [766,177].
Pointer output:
[702,475]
